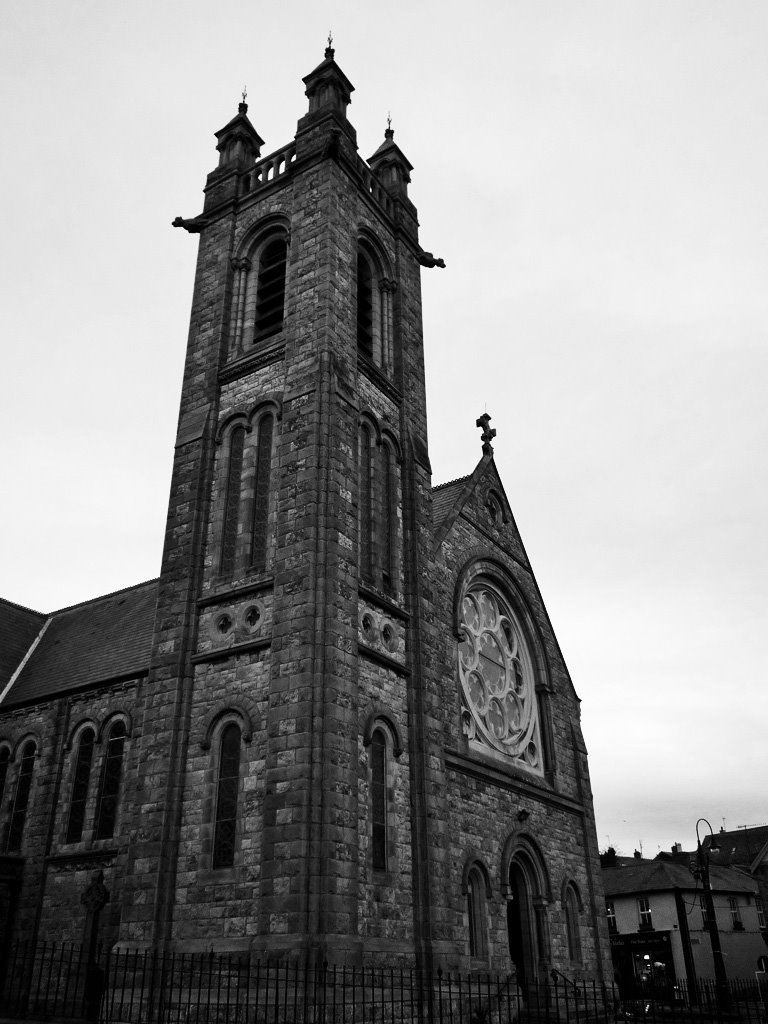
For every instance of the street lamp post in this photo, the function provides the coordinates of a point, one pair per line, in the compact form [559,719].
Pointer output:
[701,871]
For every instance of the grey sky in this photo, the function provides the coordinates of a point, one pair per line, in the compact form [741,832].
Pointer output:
[594,176]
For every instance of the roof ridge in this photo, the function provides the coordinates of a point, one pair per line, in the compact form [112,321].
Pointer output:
[104,597]
[458,480]
[23,607]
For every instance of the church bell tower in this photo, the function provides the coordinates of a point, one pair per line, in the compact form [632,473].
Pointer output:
[283,773]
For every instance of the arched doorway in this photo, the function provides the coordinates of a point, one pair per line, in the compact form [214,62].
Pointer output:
[526,925]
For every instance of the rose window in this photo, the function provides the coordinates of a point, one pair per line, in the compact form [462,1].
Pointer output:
[497,678]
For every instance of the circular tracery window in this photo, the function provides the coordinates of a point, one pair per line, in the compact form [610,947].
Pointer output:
[497,677]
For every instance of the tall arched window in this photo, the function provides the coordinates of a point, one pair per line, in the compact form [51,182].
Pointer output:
[378,757]
[374,310]
[109,789]
[476,914]
[21,797]
[389,516]
[225,827]
[366,503]
[232,500]
[80,786]
[270,289]
[365,312]
[263,475]
[5,759]
[572,931]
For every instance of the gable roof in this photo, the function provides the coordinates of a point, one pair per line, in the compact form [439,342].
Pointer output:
[449,499]
[18,628]
[638,875]
[742,846]
[444,497]
[97,641]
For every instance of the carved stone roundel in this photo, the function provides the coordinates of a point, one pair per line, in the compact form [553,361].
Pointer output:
[497,677]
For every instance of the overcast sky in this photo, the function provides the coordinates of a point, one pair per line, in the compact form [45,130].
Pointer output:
[593,174]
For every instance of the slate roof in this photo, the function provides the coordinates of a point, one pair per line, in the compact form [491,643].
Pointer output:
[742,845]
[663,875]
[18,628]
[444,496]
[94,642]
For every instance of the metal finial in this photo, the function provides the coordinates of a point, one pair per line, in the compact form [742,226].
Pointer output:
[330,38]
[389,119]
[329,51]
[488,433]
[245,93]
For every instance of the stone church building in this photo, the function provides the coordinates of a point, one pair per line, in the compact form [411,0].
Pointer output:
[339,724]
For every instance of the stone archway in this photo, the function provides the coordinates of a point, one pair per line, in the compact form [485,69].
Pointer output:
[527,894]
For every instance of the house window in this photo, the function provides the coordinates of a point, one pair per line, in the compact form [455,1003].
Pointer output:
[21,797]
[735,913]
[704,914]
[760,912]
[109,790]
[610,913]
[80,786]
[644,912]
[263,475]
[571,907]
[378,801]
[477,932]
[226,798]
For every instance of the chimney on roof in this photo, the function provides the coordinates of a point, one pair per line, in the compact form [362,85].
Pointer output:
[677,849]
[637,855]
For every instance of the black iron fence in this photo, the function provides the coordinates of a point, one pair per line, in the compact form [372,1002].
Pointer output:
[58,983]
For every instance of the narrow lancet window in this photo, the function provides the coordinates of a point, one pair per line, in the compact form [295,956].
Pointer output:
[364,306]
[109,790]
[378,802]
[476,913]
[260,531]
[21,797]
[5,758]
[389,517]
[80,786]
[232,500]
[366,504]
[226,798]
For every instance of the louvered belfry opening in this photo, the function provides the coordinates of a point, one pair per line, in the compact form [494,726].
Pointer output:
[270,289]
[364,306]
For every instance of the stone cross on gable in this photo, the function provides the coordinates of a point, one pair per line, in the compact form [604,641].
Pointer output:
[487,435]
